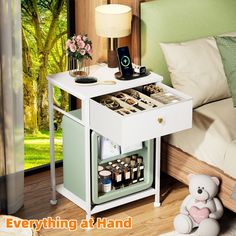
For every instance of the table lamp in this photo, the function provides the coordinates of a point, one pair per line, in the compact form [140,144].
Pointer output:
[113,21]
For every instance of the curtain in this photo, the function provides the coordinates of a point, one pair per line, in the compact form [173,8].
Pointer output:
[11,108]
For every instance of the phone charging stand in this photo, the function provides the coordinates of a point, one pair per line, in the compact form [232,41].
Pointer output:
[119,76]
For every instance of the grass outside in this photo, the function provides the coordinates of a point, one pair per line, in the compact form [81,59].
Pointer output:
[37,151]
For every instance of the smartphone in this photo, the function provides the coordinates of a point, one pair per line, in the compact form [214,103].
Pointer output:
[124,60]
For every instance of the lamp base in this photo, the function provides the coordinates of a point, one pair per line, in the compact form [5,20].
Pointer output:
[112,59]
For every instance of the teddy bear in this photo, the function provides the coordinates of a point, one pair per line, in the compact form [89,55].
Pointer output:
[200,208]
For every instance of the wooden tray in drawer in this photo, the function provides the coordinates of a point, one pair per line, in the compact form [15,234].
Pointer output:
[142,125]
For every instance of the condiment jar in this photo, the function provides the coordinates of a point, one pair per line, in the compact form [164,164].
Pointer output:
[126,175]
[134,171]
[117,178]
[106,182]
[140,169]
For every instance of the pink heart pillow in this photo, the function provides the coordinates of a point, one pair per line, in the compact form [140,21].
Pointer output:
[199,215]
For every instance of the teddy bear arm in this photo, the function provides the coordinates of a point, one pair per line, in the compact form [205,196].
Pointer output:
[219,209]
[183,207]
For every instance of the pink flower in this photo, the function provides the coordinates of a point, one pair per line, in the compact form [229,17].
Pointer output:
[68,42]
[87,47]
[81,44]
[90,52]
[82,52]
[72,47]
[78,38]
[73,39]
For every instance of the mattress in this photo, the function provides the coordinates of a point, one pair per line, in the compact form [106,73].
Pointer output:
[212,137]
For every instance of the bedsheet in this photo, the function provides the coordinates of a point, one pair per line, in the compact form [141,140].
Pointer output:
[212,137]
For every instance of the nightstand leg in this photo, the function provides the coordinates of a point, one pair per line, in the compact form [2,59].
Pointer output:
[53,201]
[85,118]
[88,217]
[157,202]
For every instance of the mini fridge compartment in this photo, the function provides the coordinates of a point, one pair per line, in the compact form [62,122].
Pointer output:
[146,152]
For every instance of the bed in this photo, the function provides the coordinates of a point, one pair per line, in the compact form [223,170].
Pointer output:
[213,150]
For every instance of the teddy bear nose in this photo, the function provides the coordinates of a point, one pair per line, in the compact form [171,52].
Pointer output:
[199,191]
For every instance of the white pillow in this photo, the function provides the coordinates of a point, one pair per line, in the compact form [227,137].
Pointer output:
[232,34]
[196,69]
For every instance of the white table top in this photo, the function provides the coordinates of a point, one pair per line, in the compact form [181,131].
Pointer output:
[101,72]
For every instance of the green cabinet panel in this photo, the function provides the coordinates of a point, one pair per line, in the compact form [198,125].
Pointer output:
[73,135]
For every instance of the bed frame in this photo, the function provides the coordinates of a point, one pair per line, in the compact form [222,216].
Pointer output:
[176,21]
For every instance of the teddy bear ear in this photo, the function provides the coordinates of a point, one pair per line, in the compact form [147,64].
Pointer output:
[190,176]
[216,180]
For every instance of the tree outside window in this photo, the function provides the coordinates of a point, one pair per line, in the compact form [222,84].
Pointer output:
[44,33]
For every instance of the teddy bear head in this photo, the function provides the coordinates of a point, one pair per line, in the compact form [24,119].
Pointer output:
[203,187]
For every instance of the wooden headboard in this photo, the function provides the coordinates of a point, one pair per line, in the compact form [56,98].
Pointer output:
[176,21]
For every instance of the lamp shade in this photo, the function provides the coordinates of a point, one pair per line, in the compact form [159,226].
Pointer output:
[113,20]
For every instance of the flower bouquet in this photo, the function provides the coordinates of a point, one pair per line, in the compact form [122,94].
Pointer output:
[79,50]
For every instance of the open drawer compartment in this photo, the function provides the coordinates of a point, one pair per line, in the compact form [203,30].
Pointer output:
[144,124]
[147,152]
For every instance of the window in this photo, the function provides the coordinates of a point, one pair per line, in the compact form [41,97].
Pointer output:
[44,34]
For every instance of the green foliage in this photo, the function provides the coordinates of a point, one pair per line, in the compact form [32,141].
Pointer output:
[37,151]
[45,12]
[44,29]
[57,56]
[39,19]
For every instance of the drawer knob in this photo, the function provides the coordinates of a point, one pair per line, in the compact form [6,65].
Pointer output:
[160,120]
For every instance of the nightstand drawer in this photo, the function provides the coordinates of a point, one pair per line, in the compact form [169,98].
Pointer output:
[142,125]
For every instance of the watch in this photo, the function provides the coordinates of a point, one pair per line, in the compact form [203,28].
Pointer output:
[110,103]
[135,94]
[133,103]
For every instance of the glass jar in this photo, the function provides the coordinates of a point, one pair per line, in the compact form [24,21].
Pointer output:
[109,166]
[106,182]
[134,171]
[122,164]
[100,168]
[127,160]
[140,169]
[134,157]
[79,68]
[117,178]
[118,161]
[126,175]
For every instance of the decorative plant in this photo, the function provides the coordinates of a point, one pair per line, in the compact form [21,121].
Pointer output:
[79,47]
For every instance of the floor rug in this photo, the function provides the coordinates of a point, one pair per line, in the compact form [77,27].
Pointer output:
[227,224]
[4,231]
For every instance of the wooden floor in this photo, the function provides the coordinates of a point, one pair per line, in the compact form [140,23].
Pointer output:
[147,220]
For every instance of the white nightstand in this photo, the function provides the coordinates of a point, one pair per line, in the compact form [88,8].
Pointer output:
[140,126]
